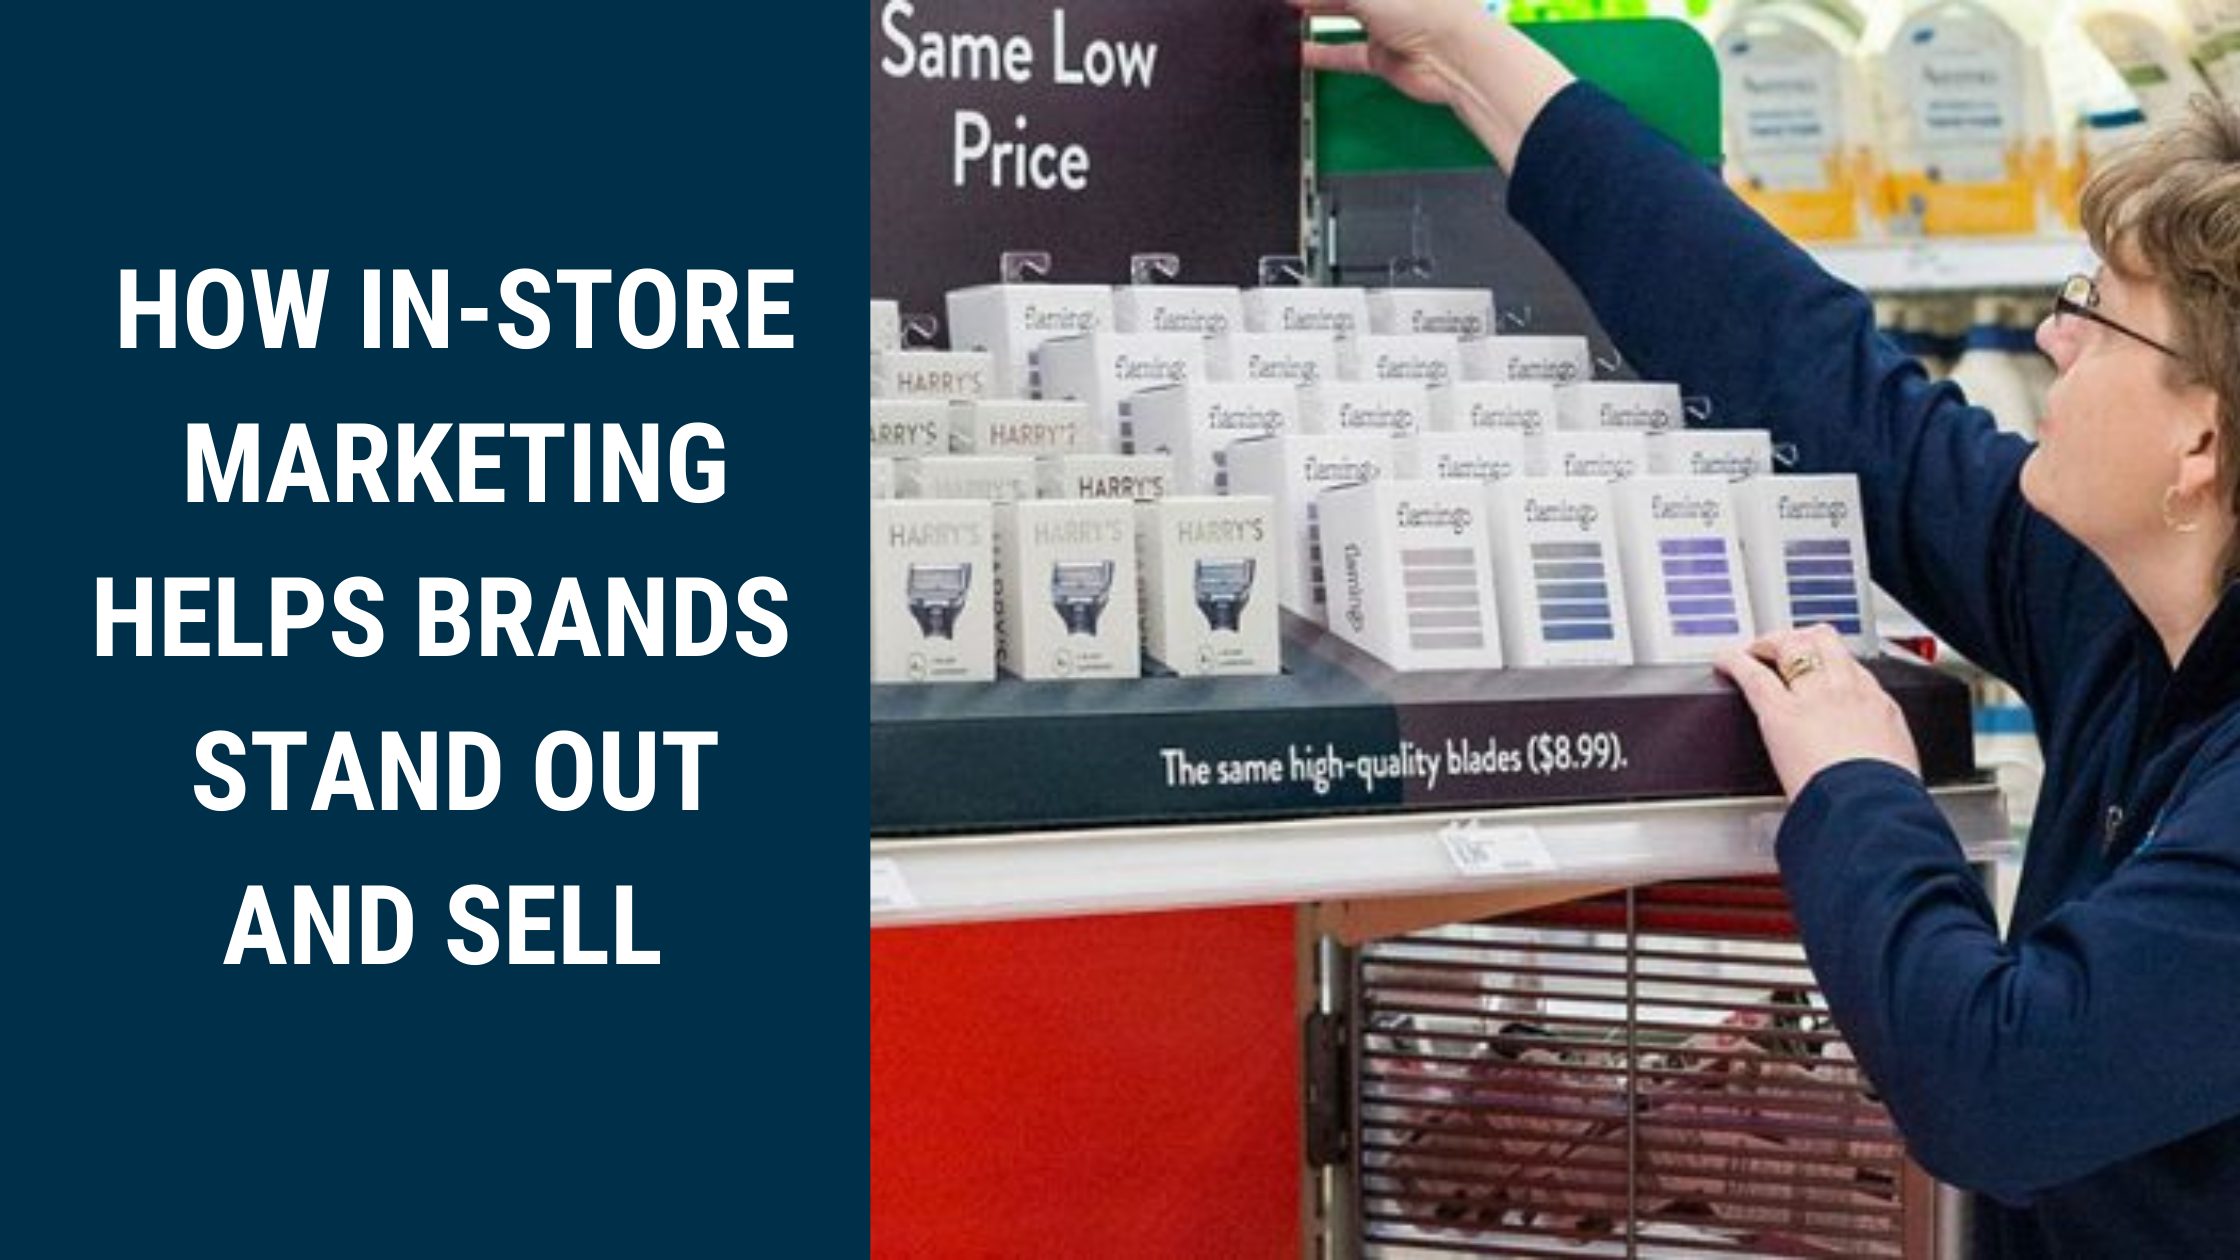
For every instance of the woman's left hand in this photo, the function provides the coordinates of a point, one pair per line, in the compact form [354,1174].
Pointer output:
[1817,706]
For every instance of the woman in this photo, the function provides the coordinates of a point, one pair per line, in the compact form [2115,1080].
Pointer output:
[2084,1074]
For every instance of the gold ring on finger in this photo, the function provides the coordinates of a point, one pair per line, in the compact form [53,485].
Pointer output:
[1796,665]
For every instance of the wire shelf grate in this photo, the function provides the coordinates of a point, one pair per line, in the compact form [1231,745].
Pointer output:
[1648,1074]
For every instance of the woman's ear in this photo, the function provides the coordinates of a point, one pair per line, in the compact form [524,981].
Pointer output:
[2201,443]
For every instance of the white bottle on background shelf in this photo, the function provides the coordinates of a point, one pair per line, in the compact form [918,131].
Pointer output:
[1946,322]
[1900,321]
[1979,101]
[2215,44]
[2036,369]
[1800,126]
[2147,41]
[1989,372]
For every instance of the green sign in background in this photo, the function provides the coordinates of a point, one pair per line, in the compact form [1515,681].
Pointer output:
[1662,69]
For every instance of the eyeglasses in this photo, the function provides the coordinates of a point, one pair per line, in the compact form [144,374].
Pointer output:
[2080,296]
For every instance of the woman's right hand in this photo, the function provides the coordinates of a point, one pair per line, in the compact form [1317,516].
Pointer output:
[1412,44]
[1451,53]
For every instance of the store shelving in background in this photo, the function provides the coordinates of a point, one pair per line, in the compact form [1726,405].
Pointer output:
[1956,264]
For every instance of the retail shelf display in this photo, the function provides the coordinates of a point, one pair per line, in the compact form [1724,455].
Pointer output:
[1115,870]
[1329,773]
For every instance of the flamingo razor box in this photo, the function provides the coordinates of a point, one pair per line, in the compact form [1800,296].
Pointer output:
[1625,406]
[1411,582]
[931,618]
[1542,360]
[1293,471]
[1105,369]
[1132,478]
[1332,312]
[1481,456]
[1019,426]
[1195,424]
[1682,557]
[886,324]
[1293,359]
[909,427]
[1065,589]
[1405,359]
[1806,545]
[1206,564]
[1011,321]
[1555,561]
[1365,408]
[1199,310]
[1728,454]
[882,477]
[988,478]
[1596,456]
[1449,312]
[938,375]
[1525,407]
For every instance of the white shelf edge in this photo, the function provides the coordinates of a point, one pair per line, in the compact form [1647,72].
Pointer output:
[1018,875]
[1955,264]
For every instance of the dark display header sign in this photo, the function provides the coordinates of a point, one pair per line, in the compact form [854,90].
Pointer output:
[1090,131]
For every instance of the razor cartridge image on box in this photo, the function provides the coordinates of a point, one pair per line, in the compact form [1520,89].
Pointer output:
[1079,590]
[937,593]
[1223,588]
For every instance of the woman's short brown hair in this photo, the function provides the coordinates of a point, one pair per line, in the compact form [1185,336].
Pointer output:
[2167,210]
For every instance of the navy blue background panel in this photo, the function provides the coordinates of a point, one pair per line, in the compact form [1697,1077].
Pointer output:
[165,1103]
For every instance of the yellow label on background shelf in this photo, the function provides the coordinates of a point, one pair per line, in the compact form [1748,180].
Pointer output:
[2064,182]
[2001,208]
[1826,214]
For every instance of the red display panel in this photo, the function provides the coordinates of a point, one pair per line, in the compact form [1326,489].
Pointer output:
[1124,1086]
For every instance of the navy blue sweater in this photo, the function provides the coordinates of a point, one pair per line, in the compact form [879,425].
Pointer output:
[2083,1074]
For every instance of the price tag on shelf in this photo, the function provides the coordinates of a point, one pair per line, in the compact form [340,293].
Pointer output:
[889,890]
[1483,851]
